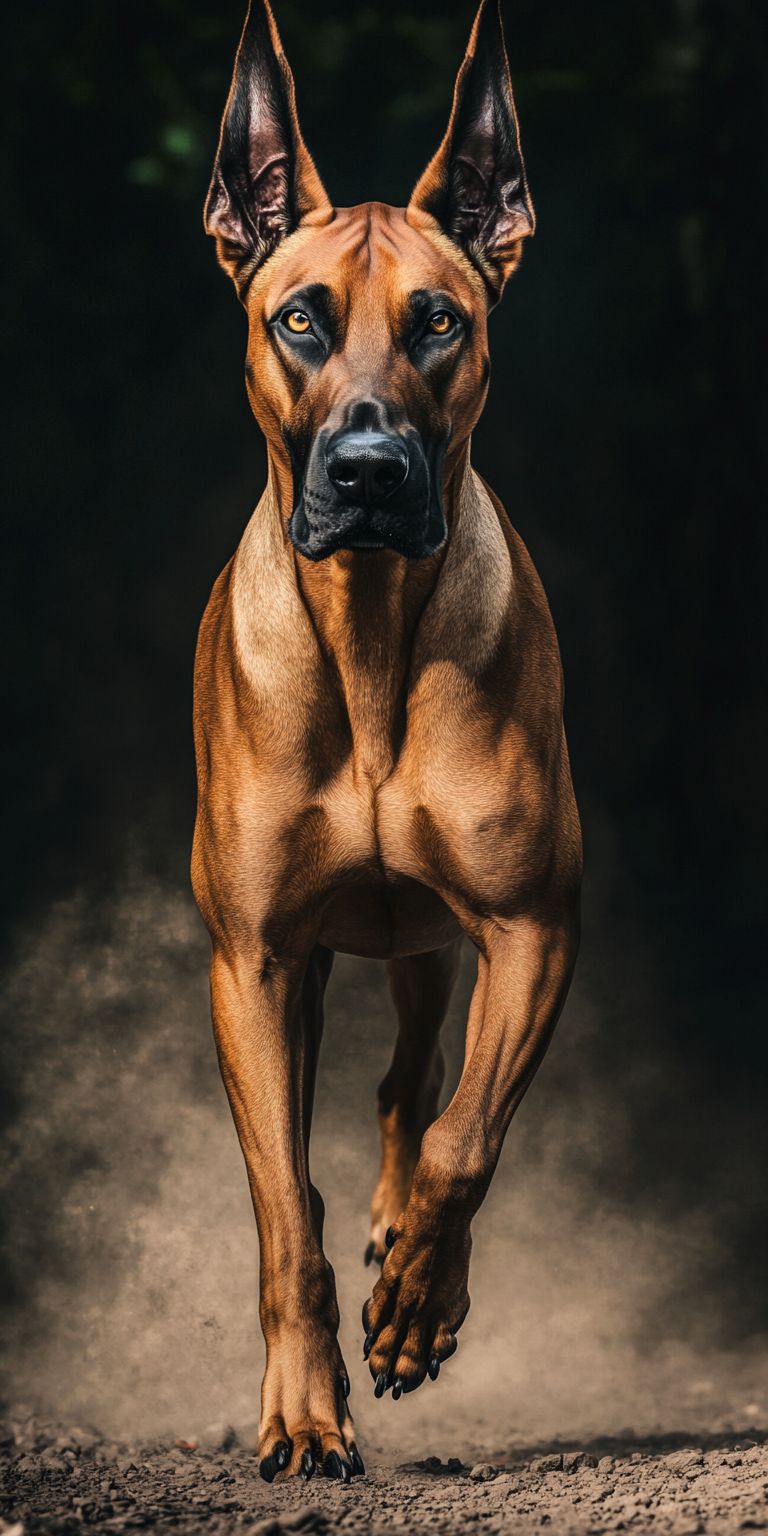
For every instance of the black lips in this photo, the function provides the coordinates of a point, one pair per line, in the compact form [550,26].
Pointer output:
[368,490]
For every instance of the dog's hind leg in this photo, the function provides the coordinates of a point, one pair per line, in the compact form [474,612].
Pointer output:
[268,1022]
[421,987]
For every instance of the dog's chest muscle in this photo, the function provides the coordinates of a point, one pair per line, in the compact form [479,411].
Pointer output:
[366,827]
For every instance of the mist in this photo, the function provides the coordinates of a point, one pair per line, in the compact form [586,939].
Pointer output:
[604,1294]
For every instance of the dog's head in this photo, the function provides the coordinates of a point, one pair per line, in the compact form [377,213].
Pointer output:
[367,357]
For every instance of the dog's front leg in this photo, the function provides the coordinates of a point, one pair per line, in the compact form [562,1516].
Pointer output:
[421,1300]
[267,1017]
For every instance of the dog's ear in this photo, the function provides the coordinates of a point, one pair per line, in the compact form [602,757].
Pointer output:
[475,187]
[264,181]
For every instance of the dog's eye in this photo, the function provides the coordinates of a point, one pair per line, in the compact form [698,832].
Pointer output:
[295,320]
[441,322]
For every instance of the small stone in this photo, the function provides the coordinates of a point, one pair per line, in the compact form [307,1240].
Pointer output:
[604,1466]
[85,1440]
[552,1463]
[266,1528]
[680,1461]
[306,1518]
[455,1464]
[483,1472]
[54,1465]
[575,1461]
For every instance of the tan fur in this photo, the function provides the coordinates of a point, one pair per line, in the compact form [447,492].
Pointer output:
[382,768]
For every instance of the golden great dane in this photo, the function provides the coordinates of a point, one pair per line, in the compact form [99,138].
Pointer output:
[378,714]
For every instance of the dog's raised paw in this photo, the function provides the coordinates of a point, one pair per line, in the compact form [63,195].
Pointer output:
[416,1310]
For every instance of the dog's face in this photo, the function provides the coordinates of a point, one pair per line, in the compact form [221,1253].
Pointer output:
[367,359]
[368,350]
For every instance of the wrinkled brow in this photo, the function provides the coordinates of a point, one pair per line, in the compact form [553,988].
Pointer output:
[318,300]
[422,301]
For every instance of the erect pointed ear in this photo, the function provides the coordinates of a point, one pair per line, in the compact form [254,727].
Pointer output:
[475,187]
[264,180]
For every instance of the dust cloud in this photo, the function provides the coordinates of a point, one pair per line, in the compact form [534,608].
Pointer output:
[600,1283]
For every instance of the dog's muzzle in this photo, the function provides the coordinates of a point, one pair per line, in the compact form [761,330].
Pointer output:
[369,490]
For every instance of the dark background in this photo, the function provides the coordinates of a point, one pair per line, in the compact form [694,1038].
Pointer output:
[625,432]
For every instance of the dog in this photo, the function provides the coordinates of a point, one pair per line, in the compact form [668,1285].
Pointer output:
[381,758]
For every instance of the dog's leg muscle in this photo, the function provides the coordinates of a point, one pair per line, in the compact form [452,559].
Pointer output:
[421,987]
[421,1299]
[268,1023]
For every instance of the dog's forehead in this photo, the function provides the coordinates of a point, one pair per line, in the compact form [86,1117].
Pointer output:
[369,255]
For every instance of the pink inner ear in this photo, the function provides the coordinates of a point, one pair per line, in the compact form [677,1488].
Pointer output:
[270,193]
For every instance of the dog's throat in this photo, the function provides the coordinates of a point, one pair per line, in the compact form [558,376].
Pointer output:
[366,610]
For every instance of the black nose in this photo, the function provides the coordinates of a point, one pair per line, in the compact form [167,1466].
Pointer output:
[366,466]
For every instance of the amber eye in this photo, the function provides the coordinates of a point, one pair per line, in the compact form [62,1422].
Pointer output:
[441,323]
[297,321]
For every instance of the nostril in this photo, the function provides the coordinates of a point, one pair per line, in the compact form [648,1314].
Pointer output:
[367,466]
[388,475]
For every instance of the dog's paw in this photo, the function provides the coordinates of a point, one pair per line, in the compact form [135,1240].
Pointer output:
[417,1306]
[306,1425]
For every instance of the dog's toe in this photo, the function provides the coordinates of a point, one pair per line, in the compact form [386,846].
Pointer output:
[337,1467]
[277,1461]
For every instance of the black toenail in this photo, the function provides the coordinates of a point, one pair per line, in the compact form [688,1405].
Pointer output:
[390,1238]
[366,1323]
[307,1465]
[397,1388]
[357,1462]
[368,1345]
[434,1367]
[276,1462]
[381,1385]
[333,1466]
[368,1255]
[345,1388]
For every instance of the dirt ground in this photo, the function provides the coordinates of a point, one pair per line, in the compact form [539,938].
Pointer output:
[68,1481]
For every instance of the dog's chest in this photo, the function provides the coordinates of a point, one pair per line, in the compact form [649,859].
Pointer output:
[377,895]
[386,870]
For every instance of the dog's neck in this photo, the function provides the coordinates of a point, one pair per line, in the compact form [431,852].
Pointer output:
[355,616]
[365,609]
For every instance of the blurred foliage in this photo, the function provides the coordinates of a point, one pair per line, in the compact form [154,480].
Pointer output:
[626,429]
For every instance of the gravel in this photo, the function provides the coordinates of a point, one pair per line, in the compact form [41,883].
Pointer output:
[69,1481]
